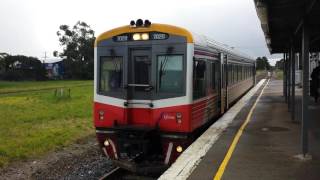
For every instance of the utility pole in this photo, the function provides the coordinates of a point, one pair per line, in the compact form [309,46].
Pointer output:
[45,57]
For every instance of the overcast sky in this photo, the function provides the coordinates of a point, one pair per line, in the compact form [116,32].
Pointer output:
[29,27]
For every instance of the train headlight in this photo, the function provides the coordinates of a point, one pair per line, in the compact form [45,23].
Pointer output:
[179,149]
[145,36]
[136,36]
[106,142]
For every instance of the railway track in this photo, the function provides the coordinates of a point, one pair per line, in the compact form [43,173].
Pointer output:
[122,174]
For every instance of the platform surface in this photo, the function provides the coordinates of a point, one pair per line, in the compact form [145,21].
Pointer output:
[268,144]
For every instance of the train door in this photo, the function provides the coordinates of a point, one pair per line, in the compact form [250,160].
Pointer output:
[225,59]
[139,86]
[139,76]
[224,84]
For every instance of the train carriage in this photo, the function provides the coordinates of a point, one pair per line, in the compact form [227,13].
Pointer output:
[156,86]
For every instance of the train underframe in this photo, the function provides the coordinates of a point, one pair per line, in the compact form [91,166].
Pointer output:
[143,150]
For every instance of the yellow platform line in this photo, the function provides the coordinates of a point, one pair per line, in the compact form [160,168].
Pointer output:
[236,138]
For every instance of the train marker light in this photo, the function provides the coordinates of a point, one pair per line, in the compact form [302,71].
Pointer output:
[179,115]
[179,149]
[147,23]
[139,22]
[145,36]
[132,23]
[106,142]
[136,36]
[179,118]
[101,115]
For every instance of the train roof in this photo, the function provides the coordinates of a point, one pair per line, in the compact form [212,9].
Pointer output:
[198,40]
[153,27]
[206,42]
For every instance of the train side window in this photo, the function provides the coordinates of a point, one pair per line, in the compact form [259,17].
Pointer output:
[230,74]
[247,72]
[213,75]
[170,73]
[224,76]
[217,75]
[110,73]
[237,73]
[240,72]
[199,81]
[247,75]
[233,76]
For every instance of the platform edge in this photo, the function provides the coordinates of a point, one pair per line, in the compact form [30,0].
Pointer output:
[192,156]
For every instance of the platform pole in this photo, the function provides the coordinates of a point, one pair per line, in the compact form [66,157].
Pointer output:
[293,84]
[289,82]
[288,78]
[284,67]
[305,89]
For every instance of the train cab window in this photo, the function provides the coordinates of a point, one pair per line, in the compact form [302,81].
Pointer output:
[199,80]
[170,73]
[110,74]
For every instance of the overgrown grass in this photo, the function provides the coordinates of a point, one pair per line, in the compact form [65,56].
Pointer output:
[261,72]
[278,74]
[15,86]
[33,123]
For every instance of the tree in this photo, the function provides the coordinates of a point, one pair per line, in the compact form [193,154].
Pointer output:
[263,63]
[2,63]
[280,64]
[21,67]
[78,50]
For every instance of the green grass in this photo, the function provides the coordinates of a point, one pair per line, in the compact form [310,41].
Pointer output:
[34,123]
[10,87]
[278,74]
[261,72]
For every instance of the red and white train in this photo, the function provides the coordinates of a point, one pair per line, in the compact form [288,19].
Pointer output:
[156,86]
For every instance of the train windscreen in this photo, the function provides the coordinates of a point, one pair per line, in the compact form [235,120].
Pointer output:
[110,73]
[170,73]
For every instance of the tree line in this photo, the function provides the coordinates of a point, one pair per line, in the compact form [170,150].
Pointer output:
[262,63]
[19,67]
[77,44]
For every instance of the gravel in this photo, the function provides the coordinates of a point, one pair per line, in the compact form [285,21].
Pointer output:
[82,160]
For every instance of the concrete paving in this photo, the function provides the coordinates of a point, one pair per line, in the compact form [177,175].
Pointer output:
[268,145]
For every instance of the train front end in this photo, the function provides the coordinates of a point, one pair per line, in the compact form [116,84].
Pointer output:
[142,94]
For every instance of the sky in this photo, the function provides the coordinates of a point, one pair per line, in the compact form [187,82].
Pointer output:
[29,27]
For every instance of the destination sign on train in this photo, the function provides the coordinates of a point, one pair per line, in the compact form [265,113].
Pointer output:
[140,36]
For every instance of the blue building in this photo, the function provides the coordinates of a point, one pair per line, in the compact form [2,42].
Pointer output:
[54,68]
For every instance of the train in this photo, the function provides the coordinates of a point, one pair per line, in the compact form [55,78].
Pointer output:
[156,86]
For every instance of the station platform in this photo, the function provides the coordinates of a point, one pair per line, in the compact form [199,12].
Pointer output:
[268,146]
